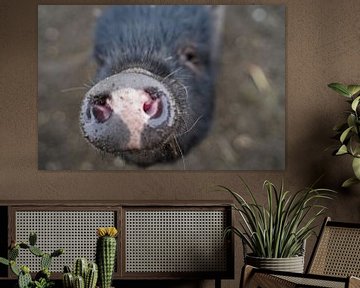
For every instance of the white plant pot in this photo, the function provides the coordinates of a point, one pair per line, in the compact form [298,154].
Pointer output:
[291,264]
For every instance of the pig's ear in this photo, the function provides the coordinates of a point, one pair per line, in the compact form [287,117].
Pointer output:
[218,17]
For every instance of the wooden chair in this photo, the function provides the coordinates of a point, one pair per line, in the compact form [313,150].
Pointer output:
[334,263]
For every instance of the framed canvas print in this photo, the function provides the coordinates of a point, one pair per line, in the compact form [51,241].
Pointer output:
[161,87]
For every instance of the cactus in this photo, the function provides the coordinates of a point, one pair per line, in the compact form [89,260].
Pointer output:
[24,280]
[24,245]
[4,261]
[42,278]
[105,254]
[80,267]
[68,280]
[32,238]
[45,261]
[44,273]
[36,251]
[13,253]
[90,272]
[79,282]
[57,253]
[67,269]
[14,268]
[91,276]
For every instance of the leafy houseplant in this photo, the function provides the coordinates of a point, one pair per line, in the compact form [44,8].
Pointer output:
[42,278]
[279,229]
[349,132]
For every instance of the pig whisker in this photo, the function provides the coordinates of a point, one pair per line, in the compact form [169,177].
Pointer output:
[181,153]
[73,89]
[185,89]
[89,85]
[172,73]
[193,125]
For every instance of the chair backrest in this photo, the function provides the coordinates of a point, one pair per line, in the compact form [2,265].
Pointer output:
[337,251]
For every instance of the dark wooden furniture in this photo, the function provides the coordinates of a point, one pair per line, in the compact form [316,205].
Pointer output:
[157,241]
[335,262]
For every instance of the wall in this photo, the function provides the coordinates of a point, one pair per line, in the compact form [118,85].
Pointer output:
[323,41]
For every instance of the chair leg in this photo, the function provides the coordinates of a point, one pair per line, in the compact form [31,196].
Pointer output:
[217,283]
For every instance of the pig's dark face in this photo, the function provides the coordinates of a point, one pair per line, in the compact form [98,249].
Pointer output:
[153,97]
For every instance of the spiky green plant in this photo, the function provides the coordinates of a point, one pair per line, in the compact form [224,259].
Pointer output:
[91,275]
[88,272]
[348,132]
[279,229]
[42,278]
[106,254]
[80,267]
[68,280]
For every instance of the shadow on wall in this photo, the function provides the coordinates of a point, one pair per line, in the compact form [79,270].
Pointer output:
[248,131]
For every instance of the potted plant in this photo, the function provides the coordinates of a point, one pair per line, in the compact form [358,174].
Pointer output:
[106,254]
[348,132]
[87,274]
[42,278]
[84,274]
[276,233]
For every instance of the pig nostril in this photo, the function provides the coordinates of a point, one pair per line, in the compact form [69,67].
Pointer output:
[147,106]
[101,108]
[101,99]
[153,108]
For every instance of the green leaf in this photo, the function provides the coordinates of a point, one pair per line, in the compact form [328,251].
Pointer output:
[356,167]
[4,261]
[345,134]
[355,103]
[349,182]
[354,144]
[340,127]
[353,89]
[351,120]
[340,88]
[342,150]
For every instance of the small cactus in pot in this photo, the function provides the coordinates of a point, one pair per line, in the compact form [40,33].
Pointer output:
[106,254]
[85,275]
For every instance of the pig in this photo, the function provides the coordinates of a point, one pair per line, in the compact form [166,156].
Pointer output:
[154,94]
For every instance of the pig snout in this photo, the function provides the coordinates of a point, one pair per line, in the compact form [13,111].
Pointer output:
[132,104]
[137,106]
